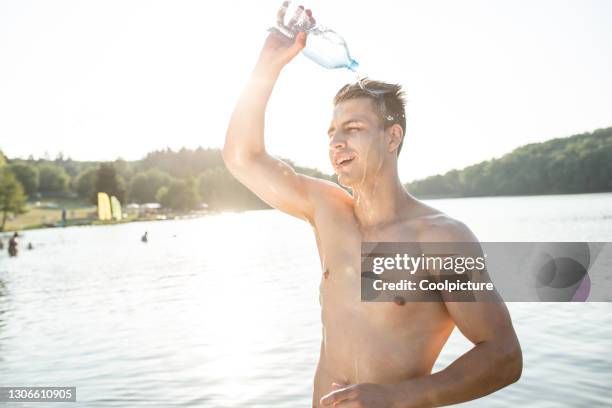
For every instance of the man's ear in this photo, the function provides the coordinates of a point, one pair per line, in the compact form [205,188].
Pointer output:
[395,136]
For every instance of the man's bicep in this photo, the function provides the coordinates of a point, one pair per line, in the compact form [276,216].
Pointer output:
[277,184]
[481,315]
[481,321]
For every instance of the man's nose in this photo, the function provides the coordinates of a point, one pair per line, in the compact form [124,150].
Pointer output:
[337,142]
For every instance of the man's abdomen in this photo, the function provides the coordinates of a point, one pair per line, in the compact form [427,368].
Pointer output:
[382,342]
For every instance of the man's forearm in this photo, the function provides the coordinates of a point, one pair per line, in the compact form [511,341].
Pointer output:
[487,367]
[245,133]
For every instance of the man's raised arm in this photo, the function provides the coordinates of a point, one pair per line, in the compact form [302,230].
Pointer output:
[244,153]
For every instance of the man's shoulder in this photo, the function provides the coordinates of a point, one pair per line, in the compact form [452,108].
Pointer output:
[436,226]
[324,191]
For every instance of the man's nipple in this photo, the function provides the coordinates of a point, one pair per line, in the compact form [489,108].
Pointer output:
[326,274]
[399,300]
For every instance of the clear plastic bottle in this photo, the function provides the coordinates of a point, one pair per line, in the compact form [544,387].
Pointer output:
[328,49]
[324,46]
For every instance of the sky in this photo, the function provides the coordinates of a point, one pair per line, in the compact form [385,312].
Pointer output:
[98,80]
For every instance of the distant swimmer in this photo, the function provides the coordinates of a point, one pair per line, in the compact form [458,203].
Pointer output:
[145,237]
[12,246]
[30,246]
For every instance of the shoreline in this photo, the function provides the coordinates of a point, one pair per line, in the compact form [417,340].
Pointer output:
[81,222]
[96,223]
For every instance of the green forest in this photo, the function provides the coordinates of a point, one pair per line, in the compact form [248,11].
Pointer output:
[576,164]
[191,179]
[180,181]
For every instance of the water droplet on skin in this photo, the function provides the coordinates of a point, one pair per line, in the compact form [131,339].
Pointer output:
[367,206]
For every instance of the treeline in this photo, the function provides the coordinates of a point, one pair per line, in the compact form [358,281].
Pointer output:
[185,179]
[577,164]
[179,180]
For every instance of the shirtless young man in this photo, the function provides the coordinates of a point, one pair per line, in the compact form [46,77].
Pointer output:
[374,354]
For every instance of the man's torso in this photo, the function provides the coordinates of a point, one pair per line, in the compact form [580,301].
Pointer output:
[378,342]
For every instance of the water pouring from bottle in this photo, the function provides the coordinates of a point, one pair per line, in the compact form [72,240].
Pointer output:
[324,46]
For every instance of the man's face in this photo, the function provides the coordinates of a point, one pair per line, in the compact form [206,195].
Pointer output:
[356,141]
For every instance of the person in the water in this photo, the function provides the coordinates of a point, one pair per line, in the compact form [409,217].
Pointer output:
[12,245]
[372,354]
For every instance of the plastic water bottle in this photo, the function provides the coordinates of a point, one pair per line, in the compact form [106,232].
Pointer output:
[328,49]
[324,46]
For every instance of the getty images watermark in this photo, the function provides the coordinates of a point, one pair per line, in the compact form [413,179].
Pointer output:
[487,271]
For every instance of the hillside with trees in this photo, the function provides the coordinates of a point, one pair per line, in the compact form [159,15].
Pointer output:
[180,181]
[577,164]
[189,179]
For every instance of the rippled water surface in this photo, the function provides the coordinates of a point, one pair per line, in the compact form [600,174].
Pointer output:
[222,311]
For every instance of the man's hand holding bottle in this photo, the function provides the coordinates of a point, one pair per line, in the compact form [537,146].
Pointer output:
[286,40]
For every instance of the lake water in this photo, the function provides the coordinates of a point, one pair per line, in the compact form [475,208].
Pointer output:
[223,311]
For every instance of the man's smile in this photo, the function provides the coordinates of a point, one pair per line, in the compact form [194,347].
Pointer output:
[342,160]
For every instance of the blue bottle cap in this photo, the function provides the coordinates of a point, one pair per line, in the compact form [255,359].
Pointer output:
[353,65]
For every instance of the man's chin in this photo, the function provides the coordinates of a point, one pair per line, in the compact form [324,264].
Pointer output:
[346,180]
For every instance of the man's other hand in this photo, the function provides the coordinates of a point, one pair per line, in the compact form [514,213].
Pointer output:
[361,396]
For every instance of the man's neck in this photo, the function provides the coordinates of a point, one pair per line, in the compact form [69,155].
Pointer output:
[380,201]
